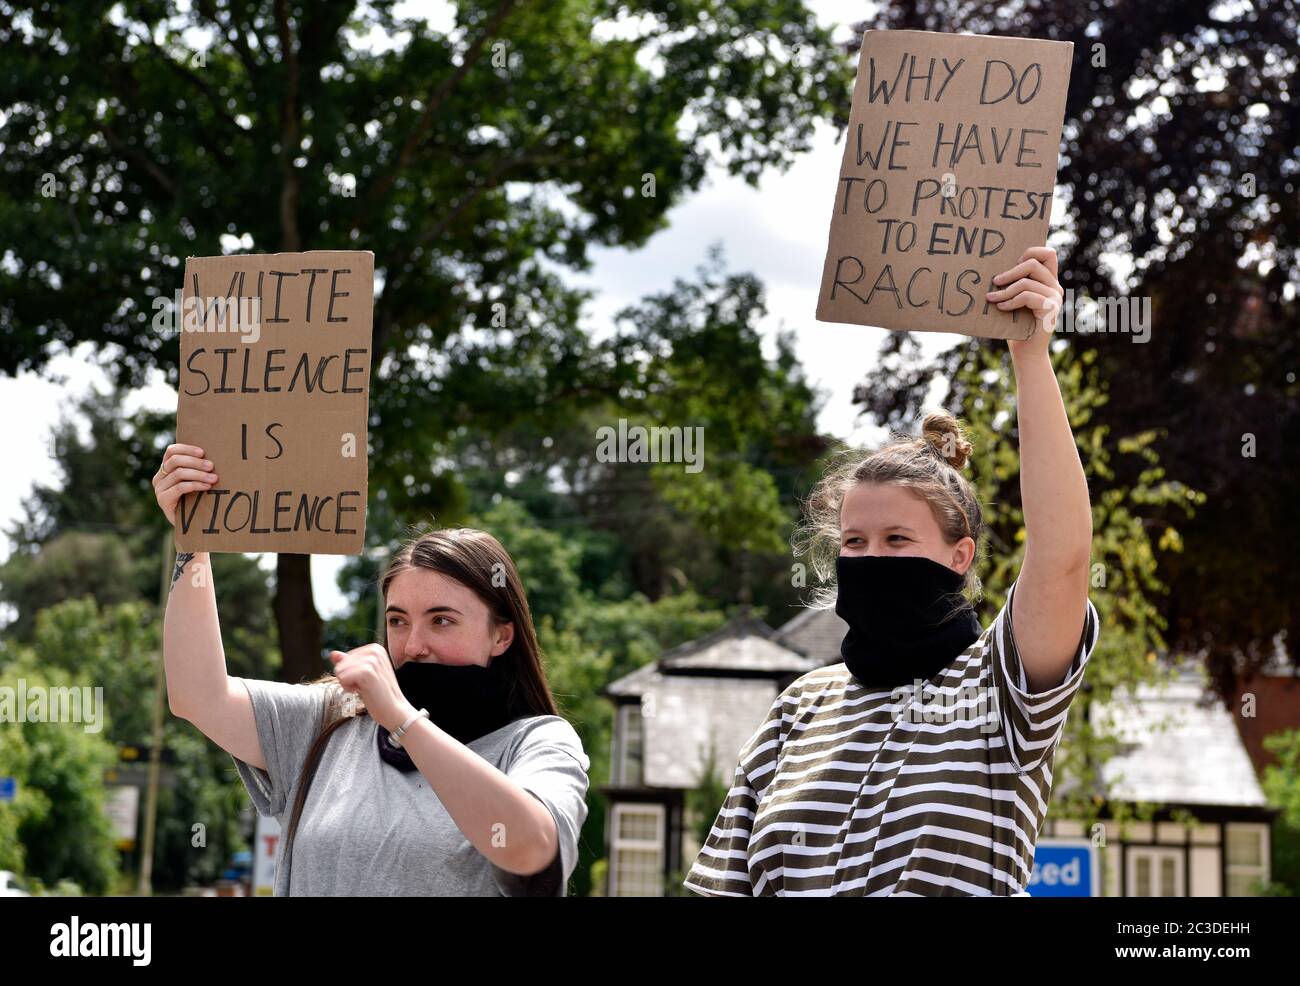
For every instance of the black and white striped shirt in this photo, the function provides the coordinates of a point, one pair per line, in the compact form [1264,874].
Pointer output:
[871,792]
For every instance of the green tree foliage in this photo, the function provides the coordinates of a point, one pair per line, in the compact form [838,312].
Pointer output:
[754,415]
[546,561]
[116,648]
[692,356]
[205,793]
[57,828]
[83,579]
[1281,783]
[75,564]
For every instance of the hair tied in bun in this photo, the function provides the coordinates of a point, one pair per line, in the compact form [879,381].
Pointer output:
[943,434]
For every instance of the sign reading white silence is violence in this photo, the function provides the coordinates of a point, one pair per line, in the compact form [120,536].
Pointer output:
[275,388]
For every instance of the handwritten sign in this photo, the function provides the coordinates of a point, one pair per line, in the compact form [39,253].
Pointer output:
[947,178]
[274,387]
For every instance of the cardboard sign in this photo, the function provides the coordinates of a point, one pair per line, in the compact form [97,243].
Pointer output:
[275,388]
[947,178]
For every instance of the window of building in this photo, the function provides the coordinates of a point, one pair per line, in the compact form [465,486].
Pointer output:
[1247,859]
[1155,872]
[631,731]
[636,867]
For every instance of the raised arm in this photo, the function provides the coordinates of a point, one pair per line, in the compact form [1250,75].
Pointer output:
[1052,591]
[198,687]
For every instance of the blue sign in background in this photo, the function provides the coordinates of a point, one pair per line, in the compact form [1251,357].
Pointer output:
[1064,868]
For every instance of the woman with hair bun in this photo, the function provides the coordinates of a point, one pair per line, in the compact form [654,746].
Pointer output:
[922,764]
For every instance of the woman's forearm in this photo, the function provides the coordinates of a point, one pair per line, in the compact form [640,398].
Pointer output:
[193,656]
[1053,487]
[501,820]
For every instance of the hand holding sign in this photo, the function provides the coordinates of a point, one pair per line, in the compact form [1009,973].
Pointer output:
[183,470]
[1032,285]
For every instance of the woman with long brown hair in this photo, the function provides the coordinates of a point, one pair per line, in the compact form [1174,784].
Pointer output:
[432,764]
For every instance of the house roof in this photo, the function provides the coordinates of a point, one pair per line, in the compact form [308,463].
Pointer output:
[1181,747]
[743,647]
[816,633]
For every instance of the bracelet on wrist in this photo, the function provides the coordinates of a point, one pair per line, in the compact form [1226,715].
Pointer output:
[395,737]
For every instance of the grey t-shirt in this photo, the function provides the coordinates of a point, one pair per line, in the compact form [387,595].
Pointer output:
[369,829]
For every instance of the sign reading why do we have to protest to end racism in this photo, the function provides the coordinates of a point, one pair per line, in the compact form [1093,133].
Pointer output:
[275,388]
[947,178]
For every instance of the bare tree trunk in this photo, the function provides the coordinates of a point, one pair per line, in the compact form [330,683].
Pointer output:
[297,620]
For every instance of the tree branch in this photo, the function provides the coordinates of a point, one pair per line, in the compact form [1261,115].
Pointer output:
[141,159]
[421,129]
[233,35]
[466,199]
[185,72]
[383,322]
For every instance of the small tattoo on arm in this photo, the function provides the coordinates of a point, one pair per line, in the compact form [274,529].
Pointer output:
[183,558]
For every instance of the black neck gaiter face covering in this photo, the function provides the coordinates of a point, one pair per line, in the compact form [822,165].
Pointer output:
[466,701]
[906,618]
